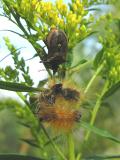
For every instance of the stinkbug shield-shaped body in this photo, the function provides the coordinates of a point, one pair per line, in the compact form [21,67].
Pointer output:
[57,44]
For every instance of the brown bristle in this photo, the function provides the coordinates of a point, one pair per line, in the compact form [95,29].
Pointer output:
[58,107]
[59,117]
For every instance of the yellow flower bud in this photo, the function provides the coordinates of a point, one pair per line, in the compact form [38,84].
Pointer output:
[45,28]
[79,18]
[61,23]
[75,7]
[73,18]
[83,28]
[77,2]
[49,6]
[52,26]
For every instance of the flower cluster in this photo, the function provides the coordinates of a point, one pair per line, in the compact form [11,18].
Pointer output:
[59,15]
[26,9]
[111,56]
[43,15]
[112,65]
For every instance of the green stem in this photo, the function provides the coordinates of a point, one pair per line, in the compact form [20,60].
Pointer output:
[71,147]
[54,145]
[76,69]
[39,49]
[96,108]
[93,78]
[23,98]
[17,18]
[58,151]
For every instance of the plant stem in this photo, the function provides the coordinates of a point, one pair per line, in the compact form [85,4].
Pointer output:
[93,78]
[54,145]
[96,108]
[73,70]
[71,147]
[58,151]
[23,98]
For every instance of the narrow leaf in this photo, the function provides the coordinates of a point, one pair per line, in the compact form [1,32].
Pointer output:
[42,82]
[35,55]
[102,157]
[11,53]
[11,86]
[53,139]
[79,63]
[93,9]
[88,35]
[24,124]
[100,132]
[98,58]
[7,30]
[17,157]
[31,142]
[112,90]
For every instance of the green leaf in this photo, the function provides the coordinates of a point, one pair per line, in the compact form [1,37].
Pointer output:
[88,35]
[11,74]
[93,9]
[53,139]
[112,90]
[24,124]
[100,132]
[17,157]
[35,55]
[7,30]
[17,87]
[31,142]
[102,157]
[69,59]
[42,82]
[98,58]
[79,63]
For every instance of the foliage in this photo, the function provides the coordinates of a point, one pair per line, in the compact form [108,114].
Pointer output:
[80,20]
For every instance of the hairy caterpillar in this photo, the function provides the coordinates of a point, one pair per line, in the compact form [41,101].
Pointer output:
[56,107]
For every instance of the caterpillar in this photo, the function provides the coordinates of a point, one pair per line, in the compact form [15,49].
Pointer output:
[56,107]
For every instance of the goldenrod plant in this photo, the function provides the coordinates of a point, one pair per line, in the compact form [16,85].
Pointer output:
[77,86]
